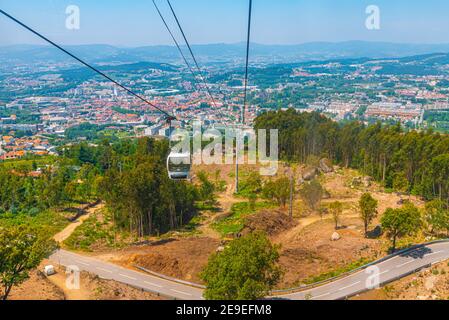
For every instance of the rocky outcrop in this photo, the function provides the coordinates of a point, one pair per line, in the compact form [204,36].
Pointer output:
[326,166]
[367,182]
[309,174]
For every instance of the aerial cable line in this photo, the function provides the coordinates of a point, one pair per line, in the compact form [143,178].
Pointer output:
[245,94]
[169,116]
[178,46]
[245,97]
[191,53]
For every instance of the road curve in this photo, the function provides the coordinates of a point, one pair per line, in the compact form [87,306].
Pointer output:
[387,271]
[133,278]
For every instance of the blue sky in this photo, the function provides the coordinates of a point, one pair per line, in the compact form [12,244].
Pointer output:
[135,22]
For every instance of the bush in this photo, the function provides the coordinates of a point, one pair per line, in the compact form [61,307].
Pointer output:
[246,270]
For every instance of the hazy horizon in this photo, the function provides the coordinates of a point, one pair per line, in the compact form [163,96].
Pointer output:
[231,43]
[291,22]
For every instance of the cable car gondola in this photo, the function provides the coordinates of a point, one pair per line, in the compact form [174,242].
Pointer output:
[179,166]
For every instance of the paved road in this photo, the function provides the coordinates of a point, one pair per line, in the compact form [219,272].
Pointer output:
[136,279]
[389,270]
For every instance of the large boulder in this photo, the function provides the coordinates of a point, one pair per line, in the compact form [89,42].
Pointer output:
[357,182]
[367,182]
[310,174]
[326,166]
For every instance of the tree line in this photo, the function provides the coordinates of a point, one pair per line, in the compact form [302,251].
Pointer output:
[139,193]
[128,175]
[406,161]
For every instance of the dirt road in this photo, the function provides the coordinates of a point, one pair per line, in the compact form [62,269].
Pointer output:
[67,232]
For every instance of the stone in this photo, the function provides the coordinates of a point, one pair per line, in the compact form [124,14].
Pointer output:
[335,236]
[326,166]
[367,182]
[310,174]
[357,182]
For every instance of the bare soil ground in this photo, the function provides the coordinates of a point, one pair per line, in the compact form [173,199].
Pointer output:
[310,252]
[272,222]
[307,250]
[182,258]
[40,287]
[37,287]
[430,284]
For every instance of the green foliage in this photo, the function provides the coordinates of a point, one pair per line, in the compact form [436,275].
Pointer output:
[336,209]
[400,182]
[220,185]
[436,116]
[49,221]
[23,115]
[129,175]
[95,231]
[278,190]
[57,184]
[416,162]
[93,132]
[236,221]
[368,210]
[437,216]
[250,184]
[21,250]
[126,111]
[137,190]
[246,270]
[207,189]
[312,194]
[405,221]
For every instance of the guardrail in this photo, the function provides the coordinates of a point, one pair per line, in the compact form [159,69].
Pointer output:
[346,274]
[316,284]
[191,284]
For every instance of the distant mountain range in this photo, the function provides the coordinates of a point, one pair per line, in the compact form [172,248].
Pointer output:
[222,52]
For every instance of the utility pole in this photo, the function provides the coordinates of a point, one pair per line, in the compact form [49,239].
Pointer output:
[291,194]
[245,83]
[237,148]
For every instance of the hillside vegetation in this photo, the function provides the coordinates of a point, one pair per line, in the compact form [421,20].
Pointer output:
[410,162]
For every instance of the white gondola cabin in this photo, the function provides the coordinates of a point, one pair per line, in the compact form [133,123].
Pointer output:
[178,166]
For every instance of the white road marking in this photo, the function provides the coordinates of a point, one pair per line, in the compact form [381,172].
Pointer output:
[71,257]
[404,264]
[322,295]
[125,276]
[433,253]
[351,285]
[153,284]
[185,293]
[386,271]
[105,270]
